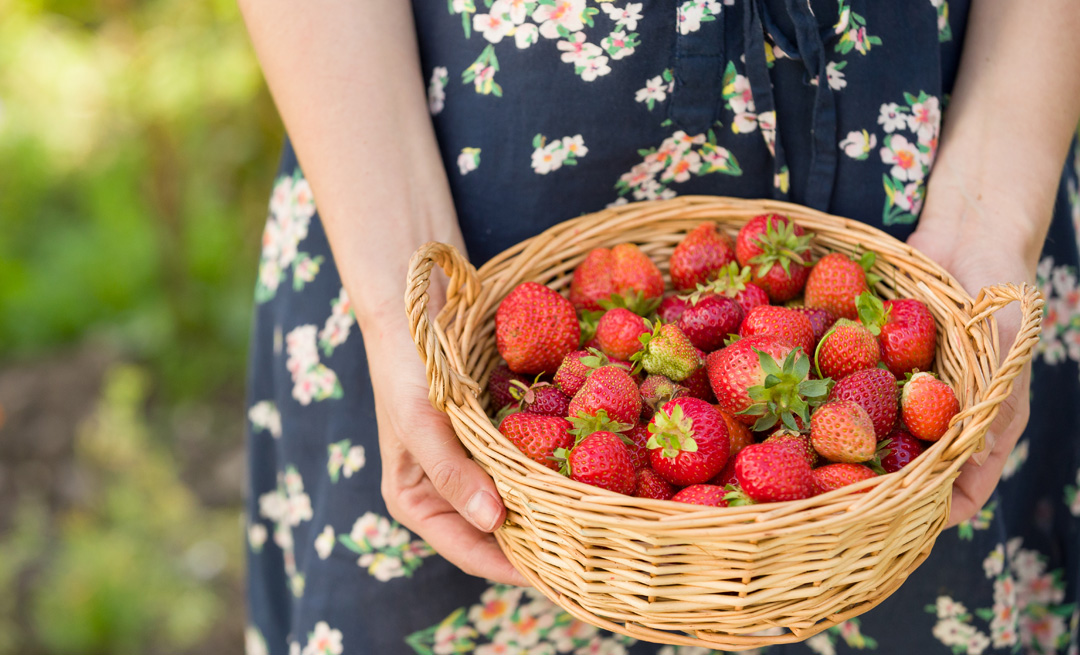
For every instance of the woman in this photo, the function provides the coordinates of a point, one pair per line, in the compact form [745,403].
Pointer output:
[546,110]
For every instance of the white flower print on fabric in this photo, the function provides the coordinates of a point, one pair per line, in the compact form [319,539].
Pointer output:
[324,543]
[553,155]
[892,117]
[835,75]
[852,30]
[312,380]
[858,145]
[1072,496]
[1059,339]
[656,89]
[481,73]
[264,415]
[519,621]
[850,632]
[436,91]
[558,17]
[944,31]
[256,534]
[740,100]
[678,156]
[323,641]
[588,58]
[692,13]
[344,459]
[338,326]
[1015,459]
[291,208]
[619,44]
[493,26]
[287,507]
[469,160]
[294,648]
[254,643]
[981,521]
[386,549]
[624,17]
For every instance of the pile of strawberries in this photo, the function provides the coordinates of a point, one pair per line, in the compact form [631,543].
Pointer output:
[764,377]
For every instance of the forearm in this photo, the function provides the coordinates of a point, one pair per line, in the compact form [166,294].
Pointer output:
[1009,122]
[347,82]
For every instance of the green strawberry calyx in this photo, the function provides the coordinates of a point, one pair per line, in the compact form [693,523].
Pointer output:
[780,245]
[595,360]
[787,391]
[588,319]
[586,424]
[666,351]
[883,451]
[635,301]
[674,432]
[562,457]
[736,497]
[872,311]
[729,281]
[866,260]
[525,394]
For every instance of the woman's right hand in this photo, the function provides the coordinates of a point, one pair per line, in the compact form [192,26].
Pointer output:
[429,483]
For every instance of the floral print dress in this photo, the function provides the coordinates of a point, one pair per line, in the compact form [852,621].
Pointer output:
[547,109]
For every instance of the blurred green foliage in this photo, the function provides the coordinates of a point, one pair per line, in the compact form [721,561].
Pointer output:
[137,144]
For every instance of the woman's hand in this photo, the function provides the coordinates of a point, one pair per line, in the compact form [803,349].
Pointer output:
[973,241]
[428,482]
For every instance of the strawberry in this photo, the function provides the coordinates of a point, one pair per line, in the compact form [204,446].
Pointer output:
[789,326]
[699,256]
[639,451]
[541,398]
[846,348]
[618,333]
[739,435]
[697,383]
[623,275]
[609,388]
[842,431]
[535,328]
[671,308]
[778,254]
[750,384]
[579,365]
[927,405]
[905,329]
[651,485]
[797,441]
[702,494]
[499,386]
[666,351]
[689,442]
[709,319]
[733,282]
[602,460]
[820,319]
[656,390]
[538,436]
[836,280]
[833,476]
[726,475]
[771,472]
[903,448]
[873,389]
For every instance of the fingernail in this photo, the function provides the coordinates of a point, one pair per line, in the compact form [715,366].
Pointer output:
[483,511]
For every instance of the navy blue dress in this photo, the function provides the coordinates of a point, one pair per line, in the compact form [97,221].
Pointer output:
[548,109]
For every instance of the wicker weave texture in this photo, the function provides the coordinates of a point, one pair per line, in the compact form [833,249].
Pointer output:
[726,578]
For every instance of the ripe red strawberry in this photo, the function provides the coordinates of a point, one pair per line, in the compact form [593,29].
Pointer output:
[538,436]
[726,475]
[903,449]
[846,348]
[666,351]
[602,460]
[791,327]
[702,253]
[697,383]
[873,389]
[499,386]
[739,435]
[618,333]
[579,365]
[671,308]
[541,398]
[820,319]
[689,442]
[797,441]
[770,472]
[842,431]
[833,476]
[778,254]
[927,405]
[609,388]
[639,451]
[836,280]
[709,320]
[742,377]
[905,329]
[733,282]
[656,390]
[702,494]
[535,328]
[651,485]
[623,271]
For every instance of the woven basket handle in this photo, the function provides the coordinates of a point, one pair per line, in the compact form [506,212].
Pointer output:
[990,300]
[445,379]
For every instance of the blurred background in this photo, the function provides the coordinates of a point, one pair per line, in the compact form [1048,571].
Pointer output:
[137,149]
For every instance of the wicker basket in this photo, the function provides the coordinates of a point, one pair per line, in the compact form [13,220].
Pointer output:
[726,578]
